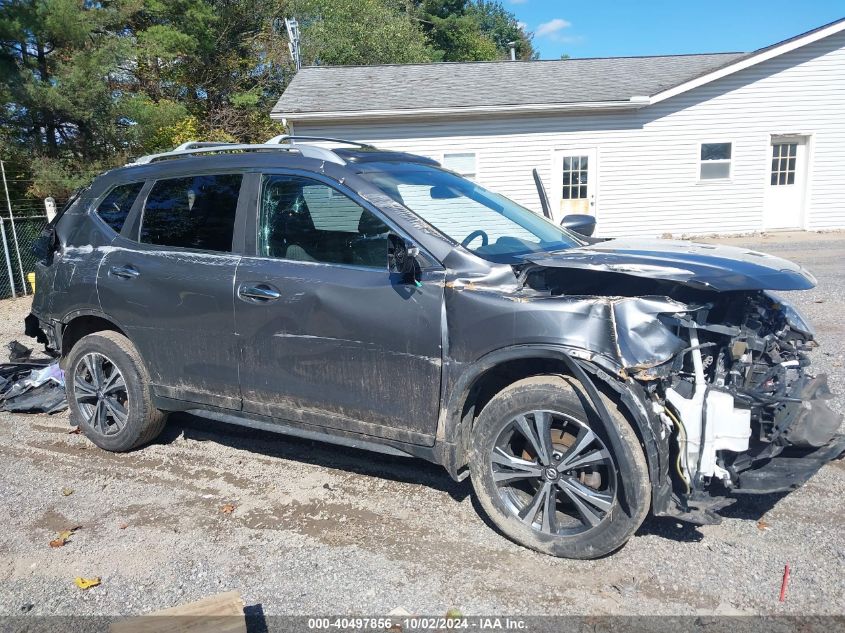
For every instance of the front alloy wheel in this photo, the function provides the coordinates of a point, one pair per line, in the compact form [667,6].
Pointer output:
[555,477]
[554,473]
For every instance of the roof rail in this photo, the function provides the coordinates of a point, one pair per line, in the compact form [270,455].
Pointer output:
[198,144]
[292,138]
[192,148]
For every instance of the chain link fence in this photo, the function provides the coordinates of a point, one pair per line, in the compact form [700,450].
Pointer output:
[16,259]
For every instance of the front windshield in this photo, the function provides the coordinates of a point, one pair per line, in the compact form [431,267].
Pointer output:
[486,223]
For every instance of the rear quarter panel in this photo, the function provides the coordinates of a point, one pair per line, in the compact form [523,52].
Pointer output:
[69,284]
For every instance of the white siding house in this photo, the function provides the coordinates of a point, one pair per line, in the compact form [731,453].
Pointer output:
[679,144]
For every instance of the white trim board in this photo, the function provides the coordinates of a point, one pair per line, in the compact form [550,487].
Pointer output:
[752,60]
[634,103]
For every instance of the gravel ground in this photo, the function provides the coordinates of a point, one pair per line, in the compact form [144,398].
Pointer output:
[326,530]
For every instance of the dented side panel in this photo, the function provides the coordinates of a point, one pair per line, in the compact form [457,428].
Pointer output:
[621,333]
[343,346]
[75,264]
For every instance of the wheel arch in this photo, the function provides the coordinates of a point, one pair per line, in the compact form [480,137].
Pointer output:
[496,370]
[82,323]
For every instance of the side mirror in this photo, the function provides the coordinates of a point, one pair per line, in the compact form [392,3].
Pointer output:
[580,223]
[402,259]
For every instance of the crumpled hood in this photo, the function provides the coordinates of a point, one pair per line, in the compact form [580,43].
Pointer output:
[707,266]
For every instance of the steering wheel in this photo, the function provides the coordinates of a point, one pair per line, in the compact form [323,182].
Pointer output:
[479,233]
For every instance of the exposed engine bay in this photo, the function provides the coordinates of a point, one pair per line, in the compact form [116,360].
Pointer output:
[742,391]
[727,374]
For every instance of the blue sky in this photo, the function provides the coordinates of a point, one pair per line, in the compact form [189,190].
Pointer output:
[602,28]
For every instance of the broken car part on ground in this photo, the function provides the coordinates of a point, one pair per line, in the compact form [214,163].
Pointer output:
[382,302]
[31,385]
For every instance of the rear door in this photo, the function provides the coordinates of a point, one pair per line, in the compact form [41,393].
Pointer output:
[168,281]
[328,336]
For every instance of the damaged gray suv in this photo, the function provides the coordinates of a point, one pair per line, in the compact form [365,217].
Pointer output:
[374,300]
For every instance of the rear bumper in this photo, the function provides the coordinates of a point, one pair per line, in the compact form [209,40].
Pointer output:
[788,470]
[44,332]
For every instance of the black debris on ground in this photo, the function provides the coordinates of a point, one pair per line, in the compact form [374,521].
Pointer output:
[30,385]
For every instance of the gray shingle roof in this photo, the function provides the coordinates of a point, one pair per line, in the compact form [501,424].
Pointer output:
[321,89]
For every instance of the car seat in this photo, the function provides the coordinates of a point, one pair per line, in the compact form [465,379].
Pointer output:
[291,230]
[370,246]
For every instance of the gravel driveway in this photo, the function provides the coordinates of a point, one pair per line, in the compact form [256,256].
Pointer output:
[319,529]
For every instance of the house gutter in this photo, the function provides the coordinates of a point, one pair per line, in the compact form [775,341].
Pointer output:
[634,103]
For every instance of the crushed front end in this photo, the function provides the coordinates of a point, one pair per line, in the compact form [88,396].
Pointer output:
[713,367]
[742,407]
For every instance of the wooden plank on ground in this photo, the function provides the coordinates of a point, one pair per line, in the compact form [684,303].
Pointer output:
[223,613]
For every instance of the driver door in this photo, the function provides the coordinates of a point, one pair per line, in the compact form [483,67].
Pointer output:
[327,335]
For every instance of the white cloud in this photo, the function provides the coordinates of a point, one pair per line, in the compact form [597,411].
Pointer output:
[518,1]
[552,28]
[522,25]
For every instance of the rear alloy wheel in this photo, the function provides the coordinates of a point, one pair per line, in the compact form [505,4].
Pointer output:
[108,391]
[545,472]
[101,395]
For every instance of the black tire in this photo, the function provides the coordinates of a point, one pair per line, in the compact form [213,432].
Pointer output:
[620,475]
[114,419]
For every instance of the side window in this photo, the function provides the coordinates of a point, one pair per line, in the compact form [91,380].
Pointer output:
[715,161]
[116,205]
[193,212]
[305,220]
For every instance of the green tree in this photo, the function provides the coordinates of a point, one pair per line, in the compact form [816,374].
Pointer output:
[85,84]
[502,27]
[55,61]
[472,30]
[220,60]
[342,32]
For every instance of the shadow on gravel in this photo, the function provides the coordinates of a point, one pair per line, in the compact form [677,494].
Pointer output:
[670,528]
[752,507]
[361,462]
[746,507]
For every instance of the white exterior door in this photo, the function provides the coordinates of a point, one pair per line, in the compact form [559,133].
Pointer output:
[573,182]
[786,184]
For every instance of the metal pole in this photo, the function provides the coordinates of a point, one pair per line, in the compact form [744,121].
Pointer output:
[292,27]
[14,231]
[8,261]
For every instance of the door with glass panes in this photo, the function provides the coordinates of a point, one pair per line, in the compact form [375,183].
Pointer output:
[785,183]
[573,182]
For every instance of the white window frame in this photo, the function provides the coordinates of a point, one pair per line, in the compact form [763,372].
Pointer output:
[721,161]
[474,155]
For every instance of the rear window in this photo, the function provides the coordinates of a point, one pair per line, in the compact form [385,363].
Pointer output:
[194,212]
[116,205]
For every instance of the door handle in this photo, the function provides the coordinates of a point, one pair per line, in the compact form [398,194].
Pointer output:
[259,293]
[124,272]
